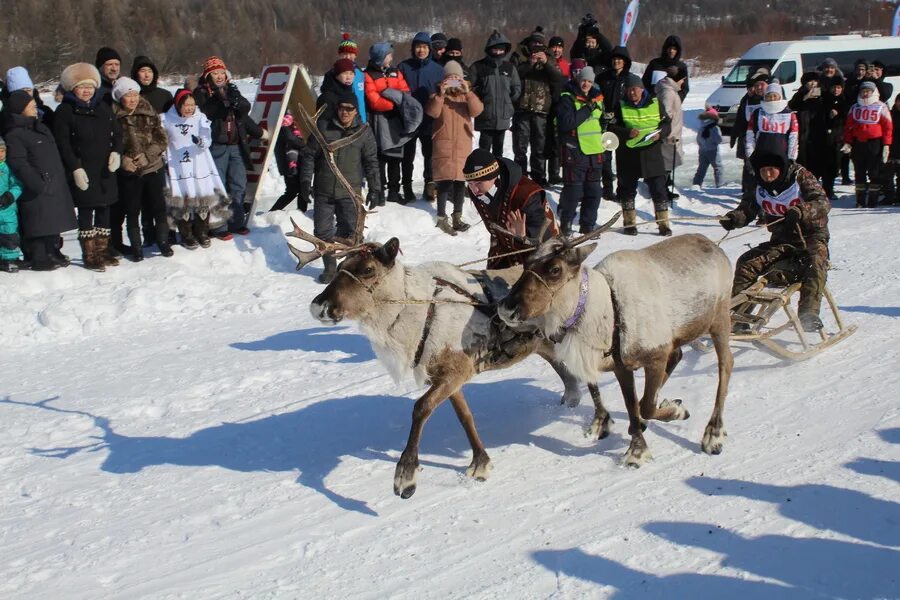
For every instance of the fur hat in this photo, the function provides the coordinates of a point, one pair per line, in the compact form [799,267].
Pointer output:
[453,68]
[104,55]
[342,65]
[18,78]
[17,101]
[347,45]
[481,165]
[454,44]
[829,62]
[213,63]
[123,86]
[809,76]
[77,74]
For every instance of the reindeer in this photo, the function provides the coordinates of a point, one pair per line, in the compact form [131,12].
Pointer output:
[436,322]
[633,310]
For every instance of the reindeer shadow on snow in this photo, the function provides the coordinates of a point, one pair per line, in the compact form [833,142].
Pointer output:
[363,427]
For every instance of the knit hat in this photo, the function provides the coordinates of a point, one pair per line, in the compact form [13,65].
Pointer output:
[577,65]
[710,114]
[555,41]
[868,85]
[454,44]
[105,54]
[346,96]
[438,40]
[17,78]
[453,68]
[77,74]
[774,88]
[480,165]
[182,95]
[213,63]
[17,101]
[342,65]
[347,45]
[538,36]
[586,74]
[2,142]
[829,62]
[633,80]
[379,51]
[123,86]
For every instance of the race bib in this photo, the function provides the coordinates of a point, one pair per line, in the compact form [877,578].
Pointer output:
[777,123]
[777,206]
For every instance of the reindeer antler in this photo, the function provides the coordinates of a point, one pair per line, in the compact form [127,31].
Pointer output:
[320,247]
[329,149]
[595,233]
[518,238]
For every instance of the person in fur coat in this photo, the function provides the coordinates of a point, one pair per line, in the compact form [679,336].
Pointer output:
[90,143]
[141,177]
[195,188]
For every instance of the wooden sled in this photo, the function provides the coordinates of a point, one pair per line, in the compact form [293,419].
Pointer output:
[769,313]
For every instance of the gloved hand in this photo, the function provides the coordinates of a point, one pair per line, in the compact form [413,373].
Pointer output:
[373,198]
[114,162]
[885,154]
[197,140]
[81,179]
[792,218]
[292,168]
[727,223]
[846,148]
[6,199]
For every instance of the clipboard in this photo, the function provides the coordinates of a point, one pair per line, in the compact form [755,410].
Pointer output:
[647,137]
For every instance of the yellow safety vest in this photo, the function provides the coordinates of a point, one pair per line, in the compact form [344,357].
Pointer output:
[644,119]
[590,131]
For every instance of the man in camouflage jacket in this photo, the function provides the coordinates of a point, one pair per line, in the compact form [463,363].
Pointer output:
[789,194]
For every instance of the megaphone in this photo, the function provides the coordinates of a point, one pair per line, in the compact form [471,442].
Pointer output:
[609,140]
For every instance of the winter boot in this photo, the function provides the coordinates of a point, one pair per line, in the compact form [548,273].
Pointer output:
[458,223]
[53,245]
[393,195]
[9,266]
[116,244]
[201,230]
[430,194]
[408,194]
[630,218]
[874,193]
[88,240]
[860,196]
[328,274]
[443,223]
[186,231]
[137,250]
[662,220]
[565,228]
[553,177]
[162,238]
[811,322]
[101,246]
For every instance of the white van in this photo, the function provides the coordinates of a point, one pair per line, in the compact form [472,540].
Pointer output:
[787,61]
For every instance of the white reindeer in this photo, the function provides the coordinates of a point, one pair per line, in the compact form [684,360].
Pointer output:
[437,323]
[633,310]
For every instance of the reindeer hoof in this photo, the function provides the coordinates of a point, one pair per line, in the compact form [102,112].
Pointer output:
[677,412]
[637,454]
[598,429]
[571,400]
[713,440]
[480,468]
[405,479]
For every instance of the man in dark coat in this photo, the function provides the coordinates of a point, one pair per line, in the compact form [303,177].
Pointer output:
[229,112]
[422,75]
[591,45]
[335,212]
[641,125]
[885,89]
[805,102]
[109,63]
[144,71]
[504,196]
[496,82]
[612,85]
[45,206]
[670,57]
[788,193]
[542,83]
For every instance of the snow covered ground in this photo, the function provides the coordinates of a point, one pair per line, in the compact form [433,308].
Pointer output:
[183,428]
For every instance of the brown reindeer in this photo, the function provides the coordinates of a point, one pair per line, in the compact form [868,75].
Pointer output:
[633,310]
[438,323]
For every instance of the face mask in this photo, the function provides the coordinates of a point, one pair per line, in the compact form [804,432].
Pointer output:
[774,106]
[868,101]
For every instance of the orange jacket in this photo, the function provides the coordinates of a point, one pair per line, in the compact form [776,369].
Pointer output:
[377,82]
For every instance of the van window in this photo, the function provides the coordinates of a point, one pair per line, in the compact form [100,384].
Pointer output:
[744,69]
[786,72]
[845,60]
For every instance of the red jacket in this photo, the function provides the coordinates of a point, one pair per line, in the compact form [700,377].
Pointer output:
[565,67]
[869,122]
[377,82]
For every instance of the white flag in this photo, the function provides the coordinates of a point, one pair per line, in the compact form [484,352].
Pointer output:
[628,21]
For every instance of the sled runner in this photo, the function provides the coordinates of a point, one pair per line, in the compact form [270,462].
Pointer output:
[771,322]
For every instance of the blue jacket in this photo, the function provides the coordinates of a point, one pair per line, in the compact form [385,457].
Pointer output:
[422,76]
[9,219]
[710,143]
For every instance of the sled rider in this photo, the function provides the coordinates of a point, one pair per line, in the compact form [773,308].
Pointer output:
[785,192]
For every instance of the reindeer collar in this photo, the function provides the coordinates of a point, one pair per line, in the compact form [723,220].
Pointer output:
[575,318]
